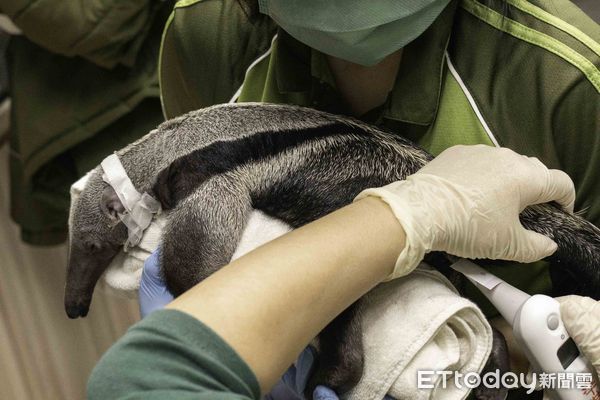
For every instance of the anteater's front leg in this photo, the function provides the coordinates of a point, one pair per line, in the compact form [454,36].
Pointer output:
[339,365]
[203,232]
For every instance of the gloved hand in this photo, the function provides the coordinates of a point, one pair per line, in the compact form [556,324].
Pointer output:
[153,292]
[467,201]
[581,316]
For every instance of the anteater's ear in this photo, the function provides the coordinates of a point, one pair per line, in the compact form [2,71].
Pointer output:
[110,204]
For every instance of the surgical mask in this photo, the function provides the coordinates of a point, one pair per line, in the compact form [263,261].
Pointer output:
[361,31]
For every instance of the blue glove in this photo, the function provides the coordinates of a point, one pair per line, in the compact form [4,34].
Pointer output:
[324,393]
[153,292]
[293,382]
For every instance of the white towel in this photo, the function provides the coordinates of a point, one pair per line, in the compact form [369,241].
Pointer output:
[419,322]
[125,271]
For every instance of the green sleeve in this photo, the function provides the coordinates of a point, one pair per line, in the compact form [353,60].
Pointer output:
[576,132]
[206,48]
[104,32]
[171,355]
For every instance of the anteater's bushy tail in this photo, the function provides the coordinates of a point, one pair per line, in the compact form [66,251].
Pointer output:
[575,267]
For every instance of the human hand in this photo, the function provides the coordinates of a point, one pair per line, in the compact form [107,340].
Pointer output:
[153,292]
[581,316]
[467,201]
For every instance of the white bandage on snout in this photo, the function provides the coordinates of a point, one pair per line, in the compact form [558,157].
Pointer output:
[139,208]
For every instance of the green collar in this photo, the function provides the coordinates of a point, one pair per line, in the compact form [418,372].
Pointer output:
[415,96]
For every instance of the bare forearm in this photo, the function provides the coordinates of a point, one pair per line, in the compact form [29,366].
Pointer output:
[270,303]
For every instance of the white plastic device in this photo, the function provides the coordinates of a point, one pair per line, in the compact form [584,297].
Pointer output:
[537,327]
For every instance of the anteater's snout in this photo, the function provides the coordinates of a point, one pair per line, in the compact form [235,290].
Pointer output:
[76,309]
[83,272]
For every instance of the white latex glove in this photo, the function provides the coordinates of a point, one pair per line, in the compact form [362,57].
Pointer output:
[467,201]
[581,316]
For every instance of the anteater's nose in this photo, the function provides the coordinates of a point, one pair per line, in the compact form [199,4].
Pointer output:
[76,310]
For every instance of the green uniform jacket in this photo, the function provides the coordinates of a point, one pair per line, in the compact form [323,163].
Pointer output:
[519,74]
[83,81]
[172,355]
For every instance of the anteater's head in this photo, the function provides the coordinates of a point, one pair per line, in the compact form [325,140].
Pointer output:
[96,235]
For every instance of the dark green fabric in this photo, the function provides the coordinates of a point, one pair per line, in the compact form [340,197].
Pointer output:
[219,39]
[41,206]
[565,9]
[541,26]
[81,71]
[104,32]
[171,355]
[534,101]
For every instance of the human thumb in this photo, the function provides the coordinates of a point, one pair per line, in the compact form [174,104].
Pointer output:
[533,246]
[324,393]
[153,293]
[581,316]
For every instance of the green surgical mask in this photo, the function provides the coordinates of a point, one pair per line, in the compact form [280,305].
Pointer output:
[360,31]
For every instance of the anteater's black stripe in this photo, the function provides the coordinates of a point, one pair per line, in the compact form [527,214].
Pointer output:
[189,171]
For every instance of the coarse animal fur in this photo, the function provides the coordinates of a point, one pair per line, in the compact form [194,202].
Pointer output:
[210,168]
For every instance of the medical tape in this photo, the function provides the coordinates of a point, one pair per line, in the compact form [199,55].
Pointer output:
[139,208]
